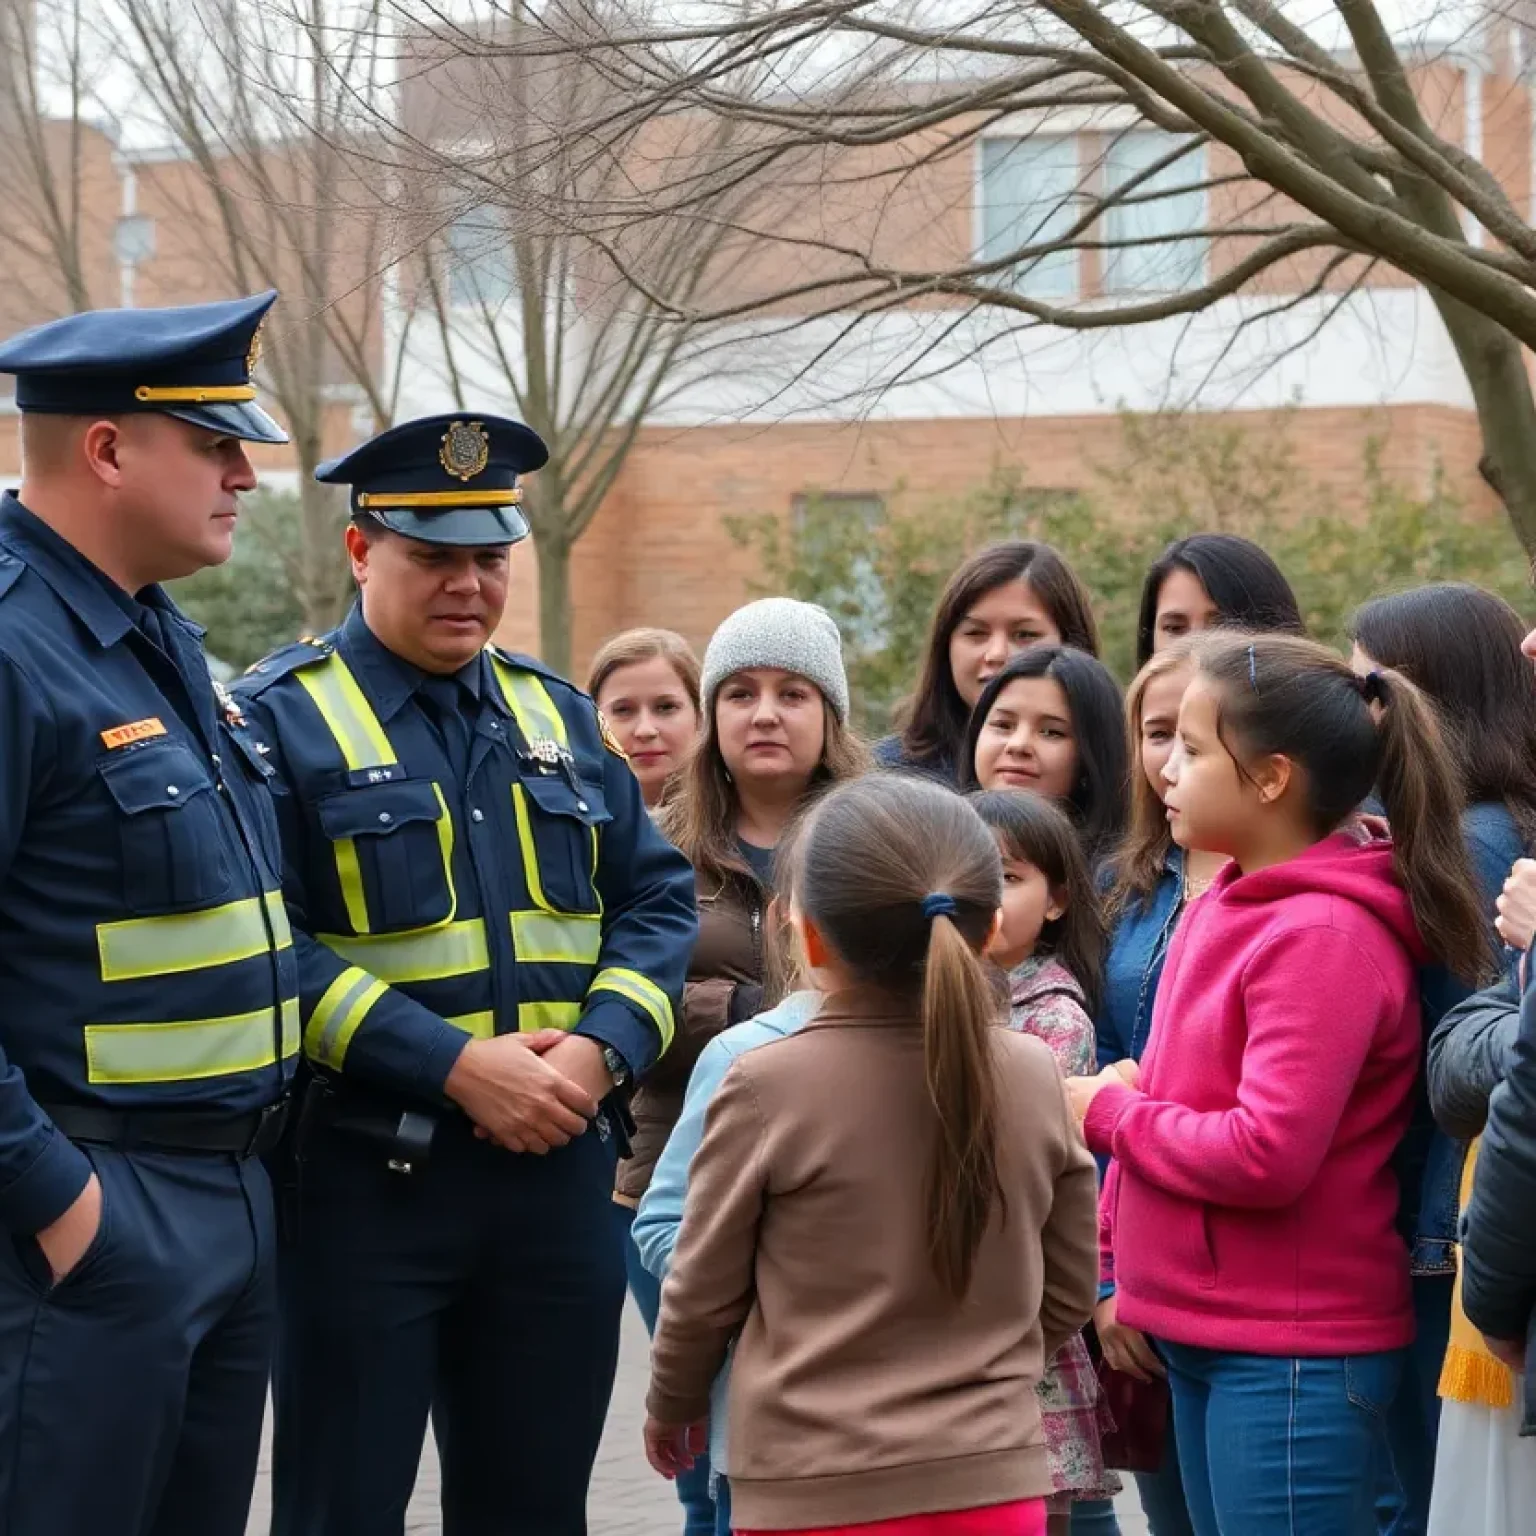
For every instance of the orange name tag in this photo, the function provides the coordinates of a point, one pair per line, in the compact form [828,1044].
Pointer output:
[139,730]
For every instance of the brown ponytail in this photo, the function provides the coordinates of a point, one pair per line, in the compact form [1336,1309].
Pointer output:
[1297,699]
[1422,796]
[869,855]
[959,1011]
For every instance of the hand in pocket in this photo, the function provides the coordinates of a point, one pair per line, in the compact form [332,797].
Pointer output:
[64,1242]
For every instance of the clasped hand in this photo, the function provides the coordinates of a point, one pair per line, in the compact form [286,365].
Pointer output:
[530,1092]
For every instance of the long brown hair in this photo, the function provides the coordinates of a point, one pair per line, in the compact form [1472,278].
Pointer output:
[935,716]
[636,645]
[1138,864]
[1033,830]
[699,813]
[1461,645]
[1297,699]
[871,852]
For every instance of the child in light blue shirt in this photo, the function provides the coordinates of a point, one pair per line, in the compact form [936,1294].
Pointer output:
[661,1208]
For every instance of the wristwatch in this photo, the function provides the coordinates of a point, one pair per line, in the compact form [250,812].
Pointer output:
[618,1068]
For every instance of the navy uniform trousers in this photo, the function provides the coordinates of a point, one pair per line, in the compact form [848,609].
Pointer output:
[132,1392]
[483,1289]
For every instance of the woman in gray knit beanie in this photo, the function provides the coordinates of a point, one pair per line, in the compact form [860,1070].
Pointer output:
[775,707]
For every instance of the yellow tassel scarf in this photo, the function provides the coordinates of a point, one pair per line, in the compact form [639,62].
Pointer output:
[1470,1373]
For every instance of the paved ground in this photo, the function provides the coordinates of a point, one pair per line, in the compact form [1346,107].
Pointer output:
[628,1499]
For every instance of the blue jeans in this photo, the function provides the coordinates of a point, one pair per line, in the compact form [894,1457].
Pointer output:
[1270,1446]
[1413,1427]
[1094,1517]
[692,1485]
[1162,1492]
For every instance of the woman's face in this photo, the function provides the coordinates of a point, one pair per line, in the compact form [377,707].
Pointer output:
[1183,608]
[997,625]
[771,728]
[653,717]
[1027,740]
[1159,720]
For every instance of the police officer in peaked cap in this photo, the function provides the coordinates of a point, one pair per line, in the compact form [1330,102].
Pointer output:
[149,985]
[505,938]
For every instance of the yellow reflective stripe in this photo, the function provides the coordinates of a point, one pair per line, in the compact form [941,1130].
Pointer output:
[347,714]
[350,874]
[419,954]
[641,991]
[536,1016]
[338,1013]
[185,1050]
[528,848]
[527,697]
[193,941]
[480,1025]
[550,938]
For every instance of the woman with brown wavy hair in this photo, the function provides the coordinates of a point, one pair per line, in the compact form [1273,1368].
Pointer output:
[775,706]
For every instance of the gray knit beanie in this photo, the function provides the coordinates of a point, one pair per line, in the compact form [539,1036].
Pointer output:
[779,632]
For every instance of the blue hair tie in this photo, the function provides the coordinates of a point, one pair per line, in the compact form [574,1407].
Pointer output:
[938,904]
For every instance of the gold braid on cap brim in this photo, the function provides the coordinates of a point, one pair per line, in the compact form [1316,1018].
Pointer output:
[371,500]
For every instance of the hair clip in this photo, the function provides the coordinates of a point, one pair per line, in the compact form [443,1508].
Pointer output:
[938,904]
[1253,667]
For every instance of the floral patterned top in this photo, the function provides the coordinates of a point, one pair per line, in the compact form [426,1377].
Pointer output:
[1046,1001]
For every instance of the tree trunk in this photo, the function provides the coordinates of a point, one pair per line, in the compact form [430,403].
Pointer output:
[554,552]
[1494,363]
[323,592]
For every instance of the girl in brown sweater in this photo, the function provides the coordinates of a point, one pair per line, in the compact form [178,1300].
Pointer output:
[891,1210]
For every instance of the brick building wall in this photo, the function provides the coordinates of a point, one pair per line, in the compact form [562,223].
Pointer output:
[659,551]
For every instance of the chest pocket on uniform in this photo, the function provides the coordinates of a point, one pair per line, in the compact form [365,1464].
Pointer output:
[393,845]
[557,828]
[175,850]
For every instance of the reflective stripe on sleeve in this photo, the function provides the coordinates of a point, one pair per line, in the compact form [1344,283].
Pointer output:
[185,1050]
[419,954]
[548,938]
[641,991]
[337,1015]
[193,941]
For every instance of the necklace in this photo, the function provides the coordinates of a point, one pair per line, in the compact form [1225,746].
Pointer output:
[1193,888]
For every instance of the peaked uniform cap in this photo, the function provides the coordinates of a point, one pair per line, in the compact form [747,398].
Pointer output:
[193,362]
[443,479]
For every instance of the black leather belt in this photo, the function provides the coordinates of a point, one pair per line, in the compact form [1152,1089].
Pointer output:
[187,1130]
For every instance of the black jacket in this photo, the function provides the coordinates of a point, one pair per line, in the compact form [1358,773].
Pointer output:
[1499,1238]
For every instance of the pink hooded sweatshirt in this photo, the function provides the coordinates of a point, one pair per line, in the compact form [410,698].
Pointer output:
[1252,1201]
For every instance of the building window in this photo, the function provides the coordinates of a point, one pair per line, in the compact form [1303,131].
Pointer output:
[835,534]
[1171,201]
[481,270]
[1029,190]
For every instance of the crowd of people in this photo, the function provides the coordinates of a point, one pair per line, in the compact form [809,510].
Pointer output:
[1257,931]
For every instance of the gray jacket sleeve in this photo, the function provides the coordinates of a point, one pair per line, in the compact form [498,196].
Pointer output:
[1499,1246]
[1470,1053]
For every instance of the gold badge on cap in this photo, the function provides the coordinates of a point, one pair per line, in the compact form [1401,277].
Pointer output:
[253,352]
[466,449]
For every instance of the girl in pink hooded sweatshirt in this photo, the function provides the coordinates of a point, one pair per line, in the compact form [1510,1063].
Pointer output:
[1251,1205]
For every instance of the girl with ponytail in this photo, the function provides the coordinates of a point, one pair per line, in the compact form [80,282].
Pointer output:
[891,1207]
[1251,1207]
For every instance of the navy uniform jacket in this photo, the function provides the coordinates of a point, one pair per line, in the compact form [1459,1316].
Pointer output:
[518,884]
[145,955]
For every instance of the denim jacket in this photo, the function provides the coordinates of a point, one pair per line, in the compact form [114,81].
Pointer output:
[1430,1162]
[1133,966]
